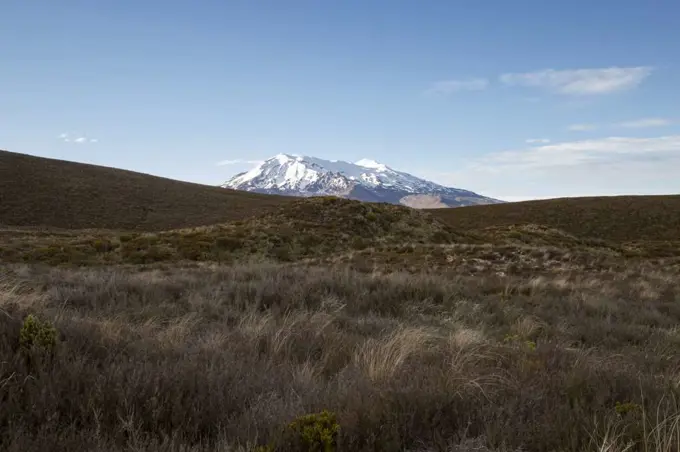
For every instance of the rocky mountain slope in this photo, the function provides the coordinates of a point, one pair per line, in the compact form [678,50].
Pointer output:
[365,180]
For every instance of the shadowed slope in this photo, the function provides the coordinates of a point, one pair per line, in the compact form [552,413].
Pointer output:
[616,218]
[41,192]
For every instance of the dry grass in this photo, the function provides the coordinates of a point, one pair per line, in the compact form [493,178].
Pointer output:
[218,358]
[380,359]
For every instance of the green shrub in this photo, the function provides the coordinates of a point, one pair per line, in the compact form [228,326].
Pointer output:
[311,433]
[263,449]
[282,253]
[516,339]
[627,407]
[37,334]
[195,249]
[127,238]
[440,237]
[359,243]
[229,243]
[514,234]
[510,338]
[101,245]
[531,345]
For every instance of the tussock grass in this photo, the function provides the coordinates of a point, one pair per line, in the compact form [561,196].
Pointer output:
[219,358]
[381,358]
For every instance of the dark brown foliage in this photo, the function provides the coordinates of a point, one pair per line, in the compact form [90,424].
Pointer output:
[615,218]
[41,192]
[302,229]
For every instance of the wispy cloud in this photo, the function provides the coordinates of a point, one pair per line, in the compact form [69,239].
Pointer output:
[445,87]
[634,124]
[79,139]
[645,122]
[611,165]
[580,81]
[237,162]
[582,127]
[583,152]
[537,140]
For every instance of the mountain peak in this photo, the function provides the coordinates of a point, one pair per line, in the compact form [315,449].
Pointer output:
[284,158]
[366,180]
[369,163]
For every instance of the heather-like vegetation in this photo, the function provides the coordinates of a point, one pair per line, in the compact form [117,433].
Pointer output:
[39,193]
[228,358]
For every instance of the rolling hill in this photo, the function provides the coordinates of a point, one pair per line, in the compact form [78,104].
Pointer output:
[43,192]
[38,192]
[615,218]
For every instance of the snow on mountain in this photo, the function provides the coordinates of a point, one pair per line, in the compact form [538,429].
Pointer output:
[365,180]
[368,163]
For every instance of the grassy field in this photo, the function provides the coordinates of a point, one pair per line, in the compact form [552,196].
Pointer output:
[224,358]
[324,324]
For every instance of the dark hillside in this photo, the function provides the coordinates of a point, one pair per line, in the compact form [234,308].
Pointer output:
[42,192]
[616,218]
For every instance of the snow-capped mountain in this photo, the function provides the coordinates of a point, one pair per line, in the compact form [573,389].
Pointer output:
[365,180]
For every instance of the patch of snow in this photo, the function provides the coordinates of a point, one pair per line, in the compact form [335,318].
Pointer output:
[370,178]
[248,176]
[368,163]
[282,158]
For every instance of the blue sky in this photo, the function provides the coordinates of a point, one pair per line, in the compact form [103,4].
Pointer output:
[513,99]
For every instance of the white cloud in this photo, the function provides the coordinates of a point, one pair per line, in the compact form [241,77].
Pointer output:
[634,124]
[516,198]
[66,138]
[645,122]
[583,152]
[581,81]
[537,140]
[237,162]
[605,166]
[582,127]
[445,87]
